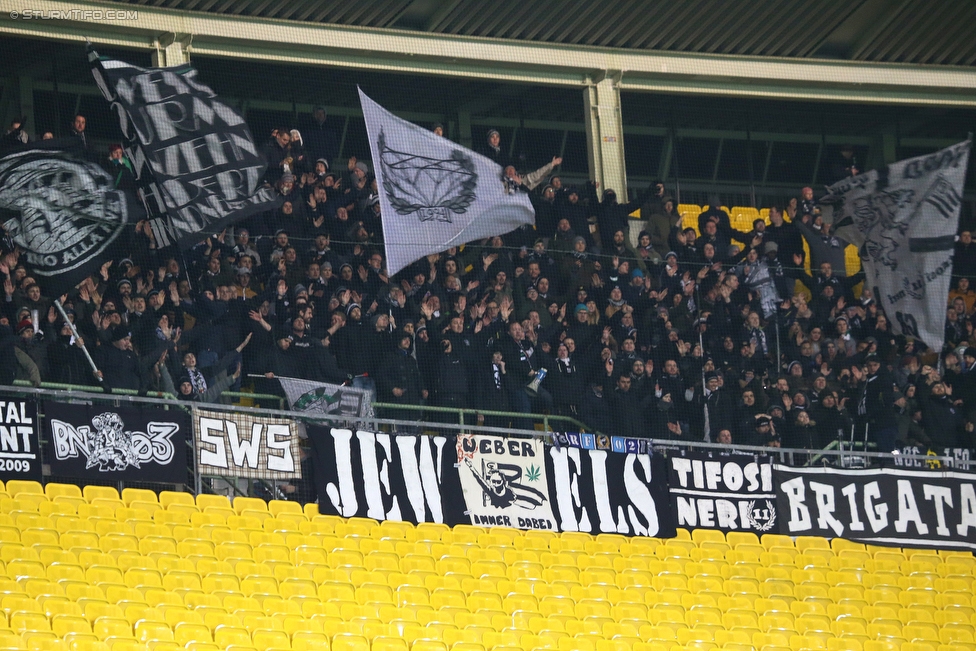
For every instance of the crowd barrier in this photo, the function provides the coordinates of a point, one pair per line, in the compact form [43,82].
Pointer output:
[457,473]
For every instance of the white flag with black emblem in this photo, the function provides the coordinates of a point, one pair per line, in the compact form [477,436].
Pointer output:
[434,193]
[903,220]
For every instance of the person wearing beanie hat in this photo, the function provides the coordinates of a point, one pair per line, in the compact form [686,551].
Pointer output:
[118,364]
[493,148]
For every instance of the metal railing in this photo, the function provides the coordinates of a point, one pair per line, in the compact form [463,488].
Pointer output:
[229,397]
[834,454]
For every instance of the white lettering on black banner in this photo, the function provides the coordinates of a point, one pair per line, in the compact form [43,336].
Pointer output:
[19,450]
[386,477]
[599,491]
[727,492]
[884,507]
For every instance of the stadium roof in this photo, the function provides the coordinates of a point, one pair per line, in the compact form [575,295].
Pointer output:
[883,31]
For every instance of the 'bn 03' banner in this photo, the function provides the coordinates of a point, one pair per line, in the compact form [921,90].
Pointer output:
[731,492]
[20,454]
[235,444]
[887,506]
[95,442]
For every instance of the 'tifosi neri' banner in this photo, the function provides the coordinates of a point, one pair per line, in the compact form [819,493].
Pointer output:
[886,506]
[731,492]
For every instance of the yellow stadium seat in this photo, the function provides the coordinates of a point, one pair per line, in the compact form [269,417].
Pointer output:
[91,493]
[166,498]
[55,490]
[277,507]
[350,643]
[205,501]
[242,504]
[15,487]
[130,495]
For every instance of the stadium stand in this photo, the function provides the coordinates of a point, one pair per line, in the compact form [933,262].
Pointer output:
[94,570]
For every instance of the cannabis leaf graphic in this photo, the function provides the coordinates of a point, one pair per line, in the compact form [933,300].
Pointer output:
[533,472]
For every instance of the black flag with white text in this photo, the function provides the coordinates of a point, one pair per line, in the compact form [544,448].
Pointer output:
[195,161]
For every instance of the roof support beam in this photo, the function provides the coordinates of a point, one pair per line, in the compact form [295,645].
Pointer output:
[511,61]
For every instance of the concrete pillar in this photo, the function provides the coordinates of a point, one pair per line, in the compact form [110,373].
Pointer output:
[26,86]
[464,128]
[171,50]
[605,135]
[889,146]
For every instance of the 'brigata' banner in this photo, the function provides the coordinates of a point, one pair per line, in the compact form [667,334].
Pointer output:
[236,444]
[20,454]
[888,506]
[731,492]
[489,481]
[97,442]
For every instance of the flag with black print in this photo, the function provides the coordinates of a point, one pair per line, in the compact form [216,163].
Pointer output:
[903,220]
[197,166]
[435,194]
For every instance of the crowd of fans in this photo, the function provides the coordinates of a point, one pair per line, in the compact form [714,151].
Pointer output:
[719,336]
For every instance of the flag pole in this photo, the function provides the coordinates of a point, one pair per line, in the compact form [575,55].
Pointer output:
[74,332]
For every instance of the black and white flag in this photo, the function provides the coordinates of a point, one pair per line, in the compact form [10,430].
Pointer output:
[64,212]
[903,220]
[195,161]
[435,194]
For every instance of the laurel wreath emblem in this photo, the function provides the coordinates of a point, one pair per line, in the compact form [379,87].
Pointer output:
[762,526]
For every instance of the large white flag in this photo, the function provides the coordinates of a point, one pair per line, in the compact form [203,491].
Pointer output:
[903,221]
[435,193]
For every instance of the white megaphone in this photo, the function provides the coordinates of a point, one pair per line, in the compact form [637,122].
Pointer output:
[532,388]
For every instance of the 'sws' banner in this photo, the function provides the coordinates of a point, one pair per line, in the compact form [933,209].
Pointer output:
[598,491]
[20,454]
[386,476]
[886,506]
[95,442]
[490,481]
[504,482]
[235,444]
[731,492]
